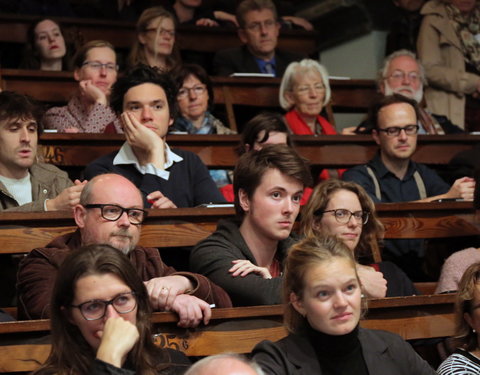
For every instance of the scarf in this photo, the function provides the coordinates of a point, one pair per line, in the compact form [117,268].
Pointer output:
[299,126]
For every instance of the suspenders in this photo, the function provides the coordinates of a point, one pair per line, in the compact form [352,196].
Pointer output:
[418,180]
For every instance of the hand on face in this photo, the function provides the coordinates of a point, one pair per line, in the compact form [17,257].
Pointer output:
[92,92]
[191,311]
[164,290]
[150,146]
[67,199]
[243,267]
[373,283]
[117,339]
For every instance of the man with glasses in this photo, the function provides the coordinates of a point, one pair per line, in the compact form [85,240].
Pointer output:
[258,30]
[111,211]
[145,100]
[391,176]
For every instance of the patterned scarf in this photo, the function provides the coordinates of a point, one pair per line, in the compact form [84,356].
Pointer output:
[467,27]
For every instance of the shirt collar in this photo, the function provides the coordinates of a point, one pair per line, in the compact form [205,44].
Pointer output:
[381,170]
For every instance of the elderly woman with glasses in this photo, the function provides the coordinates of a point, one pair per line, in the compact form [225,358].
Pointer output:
[101,319]
[155,43]
[344,209]
[88,111]
[195,101]
[449,49]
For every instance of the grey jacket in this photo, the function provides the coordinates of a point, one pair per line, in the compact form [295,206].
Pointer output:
[384,353]
[47,182]
[213,257]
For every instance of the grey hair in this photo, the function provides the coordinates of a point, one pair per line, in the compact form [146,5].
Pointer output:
[203,363]
[303,66]
[382,73]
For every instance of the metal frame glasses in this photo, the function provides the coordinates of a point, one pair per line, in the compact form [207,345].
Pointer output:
[113,212]
[183,92]
[343,215]
[394,131]
[95,65]
[96,308]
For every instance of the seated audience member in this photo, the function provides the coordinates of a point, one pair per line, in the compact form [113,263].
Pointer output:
[266,128]
[225,364]
[448,47]
[456,264]
[323,305]
[466,339]
[193,12]
[402,73]
[245,255]
[145,98]
[155,42]
[304,92]
[343,209]
[88,111]
[46,48]
[195,101]
[258,30]
[101,319]
[111,212]
[404,29]
[391,176]
[27,185]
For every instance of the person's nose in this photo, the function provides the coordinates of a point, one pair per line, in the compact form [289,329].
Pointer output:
[339,300]
[123,220]
[263,29]
[25,135]
[402,135]
[288,206]
[312,92]
[147,114]
[352,222]
[103,70]
[110,312]
[406,81]
[51,38]
[192,95]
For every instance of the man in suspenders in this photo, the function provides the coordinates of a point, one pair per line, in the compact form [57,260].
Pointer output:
[391,176]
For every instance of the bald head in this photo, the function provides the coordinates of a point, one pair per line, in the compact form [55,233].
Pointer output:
[224,364]
[117,193]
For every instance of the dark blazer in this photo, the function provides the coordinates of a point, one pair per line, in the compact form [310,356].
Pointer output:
[240,60]
[384,353]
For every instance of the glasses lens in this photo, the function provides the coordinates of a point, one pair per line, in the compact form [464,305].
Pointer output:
[411,129]
[111,212]
[135,216]
[124,303]
[93,310]
[342,216]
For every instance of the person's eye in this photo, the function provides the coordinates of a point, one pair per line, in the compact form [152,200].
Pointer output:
[319,87]
[276,194]
[136,214]
[93,307]
[111,67]
[358,215]
[13,127]
[351,288]
[111,210]
[297,198]
[322,294]
[157,107]
[393,130]
[32,128]
[134,107]
[122,299]
[95,65]
[57,34]
[341,213]
[41,37]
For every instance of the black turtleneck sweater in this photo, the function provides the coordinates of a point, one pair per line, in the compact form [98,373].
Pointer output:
[338,355]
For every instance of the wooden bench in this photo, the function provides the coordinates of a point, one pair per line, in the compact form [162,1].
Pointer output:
[23,231]
[219,151]
[23,345]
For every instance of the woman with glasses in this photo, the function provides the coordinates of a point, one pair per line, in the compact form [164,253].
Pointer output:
[323,306]
[88,111]
[100,319]
[155,42]
[449,49]
[344,209]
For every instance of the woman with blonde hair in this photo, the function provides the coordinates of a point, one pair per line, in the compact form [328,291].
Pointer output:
[155,42]
[323,306]
[345,210]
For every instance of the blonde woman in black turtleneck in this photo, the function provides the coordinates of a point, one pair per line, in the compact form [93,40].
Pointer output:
[324,305]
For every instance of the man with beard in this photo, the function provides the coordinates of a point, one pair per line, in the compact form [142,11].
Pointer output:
[111,211]
[403,74]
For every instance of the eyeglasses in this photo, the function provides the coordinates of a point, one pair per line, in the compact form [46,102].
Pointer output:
[394,131]
[256,26]
[343,216]
[95,65]
[96,308]
[399,75]
[185,91]
[163,32]
[113,212]
[305,89]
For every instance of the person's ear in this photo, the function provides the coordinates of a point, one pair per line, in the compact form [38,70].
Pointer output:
[288,95]
[76,74]
[297,304]
[79,214]
[244,200]
[142,39]
[316,225]
[375,136]
[242,35]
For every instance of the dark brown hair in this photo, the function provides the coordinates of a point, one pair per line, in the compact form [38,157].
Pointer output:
[249,5]
[18,106]
[70,351]
[389,100]
[253,165]
[187,70]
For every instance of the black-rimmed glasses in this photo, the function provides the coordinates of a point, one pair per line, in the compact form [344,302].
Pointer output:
[343,216]
[96,308]
[113,212]
[394,131]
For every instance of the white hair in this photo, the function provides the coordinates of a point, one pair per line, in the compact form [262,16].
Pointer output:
[288,80]
[382,73]
[203,363]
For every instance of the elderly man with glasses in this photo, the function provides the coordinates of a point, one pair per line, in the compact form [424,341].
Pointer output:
[111,211]
[391,176]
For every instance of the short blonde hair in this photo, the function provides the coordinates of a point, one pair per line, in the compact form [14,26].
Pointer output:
[288,80]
